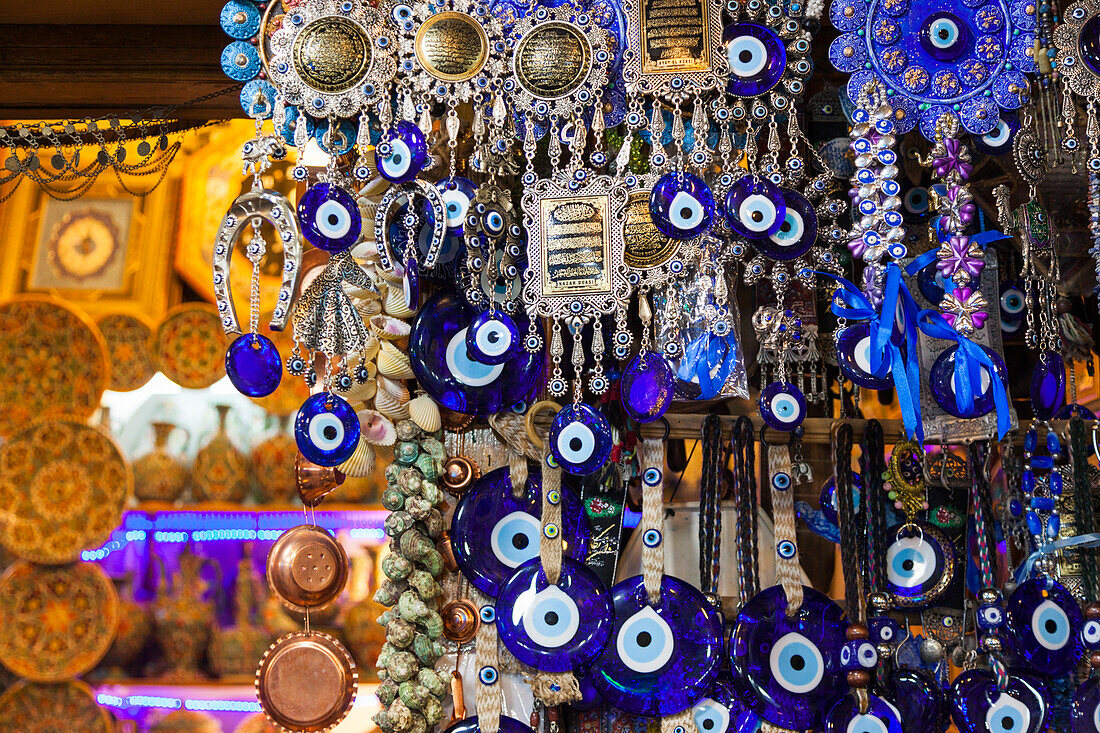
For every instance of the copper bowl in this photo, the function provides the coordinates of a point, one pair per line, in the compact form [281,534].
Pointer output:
[306,681]
[314,482]
[307,569]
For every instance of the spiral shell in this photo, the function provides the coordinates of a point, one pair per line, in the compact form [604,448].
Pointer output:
[395,305]
[361,462]
[392,399]
[377,428]
[394,363]
[389,328]
[425,413]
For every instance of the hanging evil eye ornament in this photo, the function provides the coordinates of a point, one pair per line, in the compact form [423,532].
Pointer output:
[789,665]
[920,563]
[580,439]
[445,367]
[326,429]
[998,141]
[1044,623]
[402,153]
[853,355]
[966,60]
[1013,307]
[681,205]
[661,658]
[493,532]
[330,217]
[1085,709]
[827,498]
[919,699]
[416,199]
[881,716]
[721,711]
[943,379]
[757,58]
[254,365]
[492,338]
[782,406]
[977,706]
[494,251]
[797,230]
[755,208]
[457,193]
[647,387]
[554,627]
[1048,385]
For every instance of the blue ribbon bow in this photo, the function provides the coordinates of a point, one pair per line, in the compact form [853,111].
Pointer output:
[708,360]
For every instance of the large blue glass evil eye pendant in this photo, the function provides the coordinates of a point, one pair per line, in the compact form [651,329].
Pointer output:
[406,154]
[782,406]
[881,717]
[1085,710]
[580,439]
[919,698]
[492,338]
[330,217]
[941,378]
[797,231]
[1044,624]
[755,208]
[920,563]
[326,429]
[853,355]
[757,58]
[253,365]
[457,193]
[790,667]
[681,205]
[554,628]
[660,659]
[977,706]
[1048,385]
[647,386]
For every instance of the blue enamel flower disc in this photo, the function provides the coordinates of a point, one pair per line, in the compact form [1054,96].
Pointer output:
[977,706]
[580,439]
[681,205]
[660,659]
[790,666]
[1043,624]
[493,532]
[326,429]
[1048,385]
[941,378]
[492,338]
[782,406]
[253,364]
[330,217]
[797,231]
[757,58]
[920,563]
[240,20]
[647,387]
[407,155]
[881,717]
[853,354]
[554,628]
[445,369]
[919,698]
[755,208]
[1085,709]
[241,61]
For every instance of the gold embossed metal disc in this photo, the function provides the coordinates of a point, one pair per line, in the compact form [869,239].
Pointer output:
[64,485]
[452,46]
[332,54]
[306,681]
[645,246]
[58,620]
[307,568]
[552,60]
[47,708]
[189,345]
[129,339]
[53,363]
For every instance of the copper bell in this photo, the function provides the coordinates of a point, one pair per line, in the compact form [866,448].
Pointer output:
[459,472]
[314,482]
[307,568]
[460,621]
[307,681]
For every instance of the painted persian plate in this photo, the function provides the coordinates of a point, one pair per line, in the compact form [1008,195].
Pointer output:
[43,708]
[129,339]
[53,363]
[64,485]
[190,345]
[59,621]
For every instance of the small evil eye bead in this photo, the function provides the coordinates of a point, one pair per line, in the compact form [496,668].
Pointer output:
[532,343]
[401,13]
[782,406]
[651,538]
[344,382]
[362,373]
[529,178]
[652,476]
[781,481]
[551,531]
[487,675]
[944,36]
[897,250]
[866,654]
[553,496]
[990,616]
[295,366]
[621,352]
[884,630]
[858,654]
[720,328]
[557,386]
[299,173]
[1090,634]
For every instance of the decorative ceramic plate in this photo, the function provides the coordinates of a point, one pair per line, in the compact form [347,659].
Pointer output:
[130,349]
[53,362]
[43,708]
[190,345]
[65,485]
[58,621]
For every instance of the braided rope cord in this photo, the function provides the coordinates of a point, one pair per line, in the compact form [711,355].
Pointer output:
[979,501]
[846,517]
[651,452]
[710,517]
[745,485]
[550,544]
[874,502]
[1082,500]
[786,542]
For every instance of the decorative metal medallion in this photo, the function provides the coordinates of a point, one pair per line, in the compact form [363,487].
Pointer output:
[189,345]
[494,250]
[63,486]
[332,57]
[644,245]
[674,48]
[129,338]
[1077,38]
[313,656]
[53,363]
[42,708]
[59,621]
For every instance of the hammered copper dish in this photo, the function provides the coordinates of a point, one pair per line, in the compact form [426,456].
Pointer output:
[307,569]
[306,681]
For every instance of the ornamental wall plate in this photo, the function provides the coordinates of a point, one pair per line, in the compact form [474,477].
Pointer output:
[46,708]
[53,362]
[675,48]
[129,338]
[63,485]
[59,621]
[966,58]
[332,57]
[1077,38]
[189,345]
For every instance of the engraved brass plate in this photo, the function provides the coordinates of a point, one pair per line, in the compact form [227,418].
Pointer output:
[576,258]
[332,54]
[552,60]
[644,244]
[674,36]
[452,46]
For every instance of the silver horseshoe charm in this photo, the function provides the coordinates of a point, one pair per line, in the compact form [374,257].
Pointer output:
[381,218]
[272,207]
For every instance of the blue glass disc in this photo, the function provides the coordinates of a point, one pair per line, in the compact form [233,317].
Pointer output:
[492,338]
[797,231]
[330,217]
[647,387]
[755,208]
[721,711]
[554,628]
[827,499]
[977,706]
[1043,622]
[660,659]
[920,563]
[790,667]
[457,193]
[853,349]
[999,141]
[881,717]
[1085,709]
[470,725]
[920,700]
[681,205]
[757,58]
[1012,306]
[326,429]
[782,406]
[407,155]
[941,378]
[493,532]
[253,365]
[580,439]
[1048,385]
